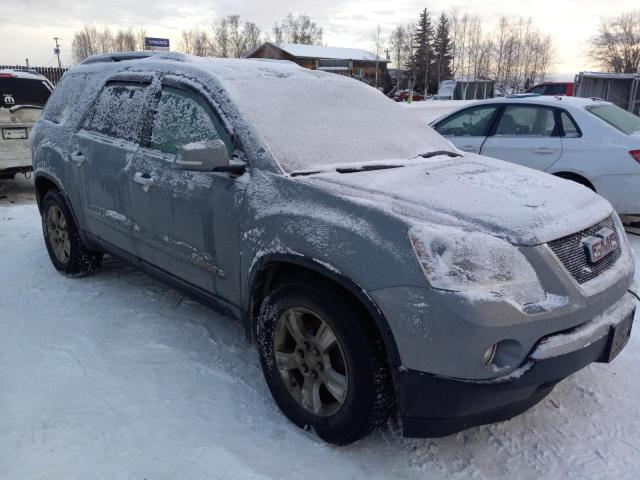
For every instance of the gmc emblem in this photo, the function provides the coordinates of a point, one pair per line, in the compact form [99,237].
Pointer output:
[600,245]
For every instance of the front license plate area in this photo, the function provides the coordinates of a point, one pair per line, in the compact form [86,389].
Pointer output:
[618,338]
[14,133]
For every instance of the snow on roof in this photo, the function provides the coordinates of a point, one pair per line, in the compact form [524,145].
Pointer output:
[25,74]
[329,53]
[629,76]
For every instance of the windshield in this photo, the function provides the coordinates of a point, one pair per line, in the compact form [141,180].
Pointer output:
[311,119]
[615,116]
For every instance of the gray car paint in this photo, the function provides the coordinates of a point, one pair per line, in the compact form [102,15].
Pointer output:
[216,239]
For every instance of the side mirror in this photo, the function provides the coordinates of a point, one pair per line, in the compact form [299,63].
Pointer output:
[202,156]
[208,156]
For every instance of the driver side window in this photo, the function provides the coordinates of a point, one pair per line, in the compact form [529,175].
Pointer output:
[184,117]
[473,122]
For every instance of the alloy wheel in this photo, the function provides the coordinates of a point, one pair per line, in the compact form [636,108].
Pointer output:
[58,232]
[310,361]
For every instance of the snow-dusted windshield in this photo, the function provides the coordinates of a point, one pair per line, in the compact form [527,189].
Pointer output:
[310,119]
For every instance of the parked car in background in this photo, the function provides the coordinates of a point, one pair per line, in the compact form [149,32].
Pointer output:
[465,89]
[22,96]
[403,96]
[592,142]
[553,88]
[379,270]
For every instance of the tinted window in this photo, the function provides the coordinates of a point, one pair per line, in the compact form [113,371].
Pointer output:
[621,119]
[539,90]
[556,89]
[118,112]
[65,98]
[569,126]
[23,91]
[184,117]
[468,123]
[526,121]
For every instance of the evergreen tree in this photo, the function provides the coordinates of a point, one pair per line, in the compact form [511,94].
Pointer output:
[443,50]
[423,57]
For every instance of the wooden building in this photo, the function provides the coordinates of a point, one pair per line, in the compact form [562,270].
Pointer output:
[351,62]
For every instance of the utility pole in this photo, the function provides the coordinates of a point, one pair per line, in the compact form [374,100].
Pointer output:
[27,61]
[56,51]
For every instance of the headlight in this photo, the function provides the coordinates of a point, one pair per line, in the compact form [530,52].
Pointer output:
[476,263]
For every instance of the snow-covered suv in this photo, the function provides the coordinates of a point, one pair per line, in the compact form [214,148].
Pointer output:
[378,269]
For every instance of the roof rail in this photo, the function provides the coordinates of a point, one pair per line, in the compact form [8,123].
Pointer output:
[124,56]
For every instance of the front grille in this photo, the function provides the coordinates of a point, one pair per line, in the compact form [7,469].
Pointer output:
[573,256]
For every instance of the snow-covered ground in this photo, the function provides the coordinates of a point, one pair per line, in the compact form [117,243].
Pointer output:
[429,110]
[116,376]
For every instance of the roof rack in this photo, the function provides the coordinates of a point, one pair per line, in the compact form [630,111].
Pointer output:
[124,56]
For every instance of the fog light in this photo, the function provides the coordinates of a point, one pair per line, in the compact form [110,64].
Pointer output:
[490,354]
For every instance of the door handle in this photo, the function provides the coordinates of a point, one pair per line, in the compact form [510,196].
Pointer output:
[144,179]
[78,157]
[544,151]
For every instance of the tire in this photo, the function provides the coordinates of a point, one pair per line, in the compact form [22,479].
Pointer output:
[368,400]
[67,252]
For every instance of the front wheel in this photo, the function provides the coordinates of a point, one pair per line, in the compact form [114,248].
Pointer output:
[324,361]
[66,250]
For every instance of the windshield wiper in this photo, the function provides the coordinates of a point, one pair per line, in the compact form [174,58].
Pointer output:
[365,168]
[354,169]
[439,153]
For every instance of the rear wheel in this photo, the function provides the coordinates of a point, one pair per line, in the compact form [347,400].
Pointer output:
[66,250]
[324,361]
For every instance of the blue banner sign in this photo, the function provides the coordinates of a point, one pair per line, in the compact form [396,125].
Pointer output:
[151,43]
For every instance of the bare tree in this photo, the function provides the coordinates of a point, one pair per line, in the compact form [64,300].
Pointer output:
[221,45]
[515,54]
[377,47]
[125,41]
[253,38]
[228,38]
[195,42]
[616,47]
[89,41]
[399,43]
[300,29]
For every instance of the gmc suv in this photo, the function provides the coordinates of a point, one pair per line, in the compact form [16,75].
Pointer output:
[379,270]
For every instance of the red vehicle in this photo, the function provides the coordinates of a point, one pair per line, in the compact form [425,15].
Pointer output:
[403,96]
[553,88]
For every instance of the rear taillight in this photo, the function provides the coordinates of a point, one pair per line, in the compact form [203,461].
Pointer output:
[8,75]
[635,154]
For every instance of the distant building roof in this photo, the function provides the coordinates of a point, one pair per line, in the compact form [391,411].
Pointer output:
[322,52]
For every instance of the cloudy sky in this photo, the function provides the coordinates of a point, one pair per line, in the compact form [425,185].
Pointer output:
[28,26]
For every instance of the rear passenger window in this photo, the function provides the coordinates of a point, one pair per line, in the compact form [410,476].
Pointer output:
[119,111]
[184,117]
[526,121]
[569,126]
[64,99]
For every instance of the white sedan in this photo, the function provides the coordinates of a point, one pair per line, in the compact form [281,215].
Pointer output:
[590,141]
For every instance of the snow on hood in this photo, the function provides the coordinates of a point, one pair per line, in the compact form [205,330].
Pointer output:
[521,205]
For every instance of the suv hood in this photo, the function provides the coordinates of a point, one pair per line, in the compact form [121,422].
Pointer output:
[523,206]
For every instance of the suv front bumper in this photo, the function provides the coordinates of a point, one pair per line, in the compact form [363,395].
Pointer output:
[436,406]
